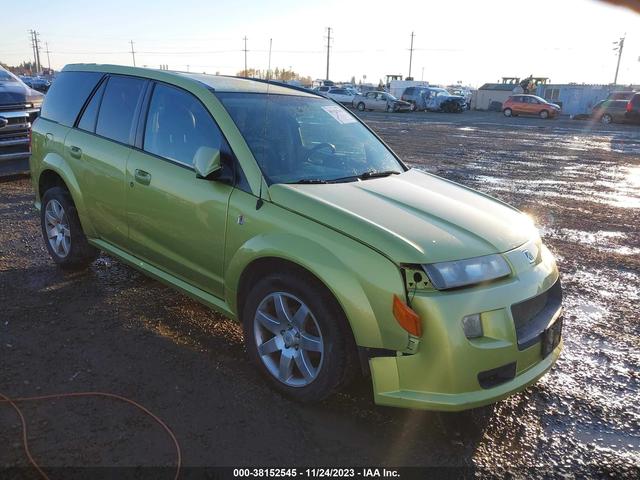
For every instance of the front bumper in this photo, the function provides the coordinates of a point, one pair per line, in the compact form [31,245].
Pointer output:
[449,371]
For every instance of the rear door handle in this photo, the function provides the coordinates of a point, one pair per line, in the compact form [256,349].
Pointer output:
[142,177]
[75,152]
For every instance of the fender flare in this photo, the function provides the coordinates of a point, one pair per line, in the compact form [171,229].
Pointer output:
[56,163]
[320,262]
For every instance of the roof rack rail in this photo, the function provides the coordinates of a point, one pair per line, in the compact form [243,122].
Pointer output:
[283,84]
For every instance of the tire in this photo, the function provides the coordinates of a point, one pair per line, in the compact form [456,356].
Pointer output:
[62,232]
[360,106]
[507,112]
[390,109]
[544,114]
[413,106]
[276,342]
[606,119]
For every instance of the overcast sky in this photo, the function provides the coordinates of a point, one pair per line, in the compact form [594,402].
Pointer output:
[469,41]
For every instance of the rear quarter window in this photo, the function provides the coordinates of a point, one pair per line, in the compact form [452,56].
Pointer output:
[67,94]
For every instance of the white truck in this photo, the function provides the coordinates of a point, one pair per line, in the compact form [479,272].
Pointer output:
[397,87]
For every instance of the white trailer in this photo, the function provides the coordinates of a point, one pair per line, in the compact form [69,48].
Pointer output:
[397,87]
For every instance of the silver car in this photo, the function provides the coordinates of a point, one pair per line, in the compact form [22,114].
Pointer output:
[382,101]
[341,95]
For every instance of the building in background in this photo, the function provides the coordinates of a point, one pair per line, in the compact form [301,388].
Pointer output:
[578,99]
[490,96]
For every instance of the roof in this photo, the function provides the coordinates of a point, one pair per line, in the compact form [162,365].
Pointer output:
[219,83]
[507,87]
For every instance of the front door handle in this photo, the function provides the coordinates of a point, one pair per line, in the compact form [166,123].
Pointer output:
[75,152]
[142,177]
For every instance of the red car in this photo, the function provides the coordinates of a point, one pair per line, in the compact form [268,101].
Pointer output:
[529,105]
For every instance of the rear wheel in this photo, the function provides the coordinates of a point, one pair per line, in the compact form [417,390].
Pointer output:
[544,114]
[298,336]
[606,119]
[507,112]
[62,232]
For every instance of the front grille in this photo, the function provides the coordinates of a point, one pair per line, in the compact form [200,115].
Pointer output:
[6,107]
[531,317]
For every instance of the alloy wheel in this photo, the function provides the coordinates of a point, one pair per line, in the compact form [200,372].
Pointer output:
[57,228]
[288,339]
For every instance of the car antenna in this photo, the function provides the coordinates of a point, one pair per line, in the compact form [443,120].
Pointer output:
[260,202]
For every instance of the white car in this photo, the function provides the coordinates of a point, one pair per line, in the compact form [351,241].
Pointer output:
[342,95]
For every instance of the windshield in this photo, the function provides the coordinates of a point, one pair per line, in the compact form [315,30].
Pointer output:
[306,139]
[6,76]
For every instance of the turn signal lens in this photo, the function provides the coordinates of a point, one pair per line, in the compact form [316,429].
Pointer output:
[407,318]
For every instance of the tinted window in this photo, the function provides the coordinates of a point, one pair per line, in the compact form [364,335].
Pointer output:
[90,114]
[67,94]
[409,91]
[635,100]
[118,108]
[178,125]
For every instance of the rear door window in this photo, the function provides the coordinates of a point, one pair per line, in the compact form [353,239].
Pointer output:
[67,95]
[178,125]
[90,115]
[120,102]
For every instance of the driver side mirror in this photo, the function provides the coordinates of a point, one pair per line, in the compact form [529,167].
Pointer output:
[207,163]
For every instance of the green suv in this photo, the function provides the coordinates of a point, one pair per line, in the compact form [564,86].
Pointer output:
[281,209]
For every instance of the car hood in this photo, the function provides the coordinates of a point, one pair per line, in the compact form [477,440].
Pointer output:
[414,217]
[18,92]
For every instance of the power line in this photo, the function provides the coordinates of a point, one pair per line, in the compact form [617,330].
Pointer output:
[328,48]
[411,53]
[133,53]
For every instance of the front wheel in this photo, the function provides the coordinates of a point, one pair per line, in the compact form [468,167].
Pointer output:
[360,106]
[507,112]
[390,109]
[298,336]
[544,114]
[62,232]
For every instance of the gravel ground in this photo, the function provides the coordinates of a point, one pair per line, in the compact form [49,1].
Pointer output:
[112,329]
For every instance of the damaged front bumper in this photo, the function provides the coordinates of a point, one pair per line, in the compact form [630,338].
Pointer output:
[521,322]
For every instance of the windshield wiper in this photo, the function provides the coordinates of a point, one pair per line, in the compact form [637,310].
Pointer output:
[378,173]
[308,181]
[363,176]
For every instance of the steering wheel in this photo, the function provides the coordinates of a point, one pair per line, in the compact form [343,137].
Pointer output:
[319,146]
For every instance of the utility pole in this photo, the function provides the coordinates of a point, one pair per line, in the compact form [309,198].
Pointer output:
[246,73]
[36,36]
[33,46]
[133,53]
[269,66]
[48,58]
[411,54]
[620,46]
[328,48]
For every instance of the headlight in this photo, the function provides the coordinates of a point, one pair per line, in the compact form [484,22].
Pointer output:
[460,273]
